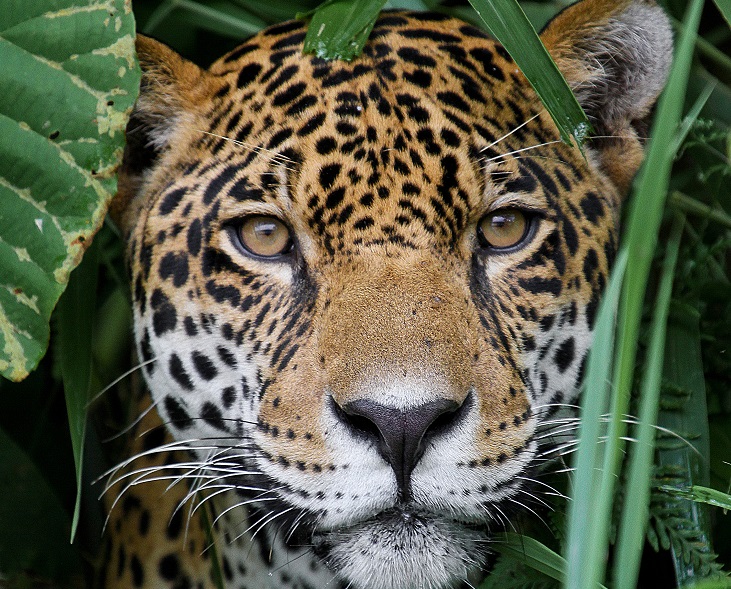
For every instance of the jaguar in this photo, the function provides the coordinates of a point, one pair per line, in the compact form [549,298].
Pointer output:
[362,290]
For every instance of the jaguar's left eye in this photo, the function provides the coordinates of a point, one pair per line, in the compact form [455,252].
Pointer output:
[264,236]
[503,229]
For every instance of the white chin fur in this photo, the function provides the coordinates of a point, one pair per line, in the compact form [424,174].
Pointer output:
[404,551]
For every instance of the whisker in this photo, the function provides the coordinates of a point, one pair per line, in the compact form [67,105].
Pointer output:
[541,157]
[523,506]
[276,157]
[504,518]
[294,526]
[119,379]
[291,560]
[170,446]
[523,124]
[243,504]
[535,498]
[267,520]
[132,425]
[553,491]
[521,150]
[549,406]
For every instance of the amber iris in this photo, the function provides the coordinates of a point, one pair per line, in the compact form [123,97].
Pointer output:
[267,237]
[502,229]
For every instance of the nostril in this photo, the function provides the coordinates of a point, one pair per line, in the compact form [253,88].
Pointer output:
[449,418]
[358,424]
[399,434]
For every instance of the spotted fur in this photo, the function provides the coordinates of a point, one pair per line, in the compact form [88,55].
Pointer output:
[365,409]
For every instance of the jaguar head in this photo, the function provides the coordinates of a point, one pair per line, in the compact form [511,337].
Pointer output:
[361,289]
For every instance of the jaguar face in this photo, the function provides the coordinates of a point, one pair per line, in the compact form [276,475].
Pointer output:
[362,289]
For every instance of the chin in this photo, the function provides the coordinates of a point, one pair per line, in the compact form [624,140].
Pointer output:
[401,549]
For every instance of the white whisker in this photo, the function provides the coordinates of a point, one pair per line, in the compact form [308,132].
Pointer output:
[276,156]
[511,132]
[119,379]
[521,150]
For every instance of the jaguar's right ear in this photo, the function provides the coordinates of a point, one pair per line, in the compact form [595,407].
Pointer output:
[616,56]
[168,91]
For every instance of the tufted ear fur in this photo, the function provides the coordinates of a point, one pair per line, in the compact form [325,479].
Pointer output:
[616,55]
[168,92]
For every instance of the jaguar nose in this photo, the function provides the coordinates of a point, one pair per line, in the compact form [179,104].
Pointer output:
[400,434]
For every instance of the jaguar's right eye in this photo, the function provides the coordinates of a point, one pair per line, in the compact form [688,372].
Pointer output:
[503,229]
[264,237]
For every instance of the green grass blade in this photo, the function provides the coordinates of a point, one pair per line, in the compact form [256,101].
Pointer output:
[636,501]
[75,326]
[534,554]
[221,18]
[508,23]
[692,206]
[724,7]
[635,506]
[281,10]
[339,28]
[701,494]
[159,15]
[585,540]
[588,538]
[641,239]
[216,568]
[647,207]
[688,120]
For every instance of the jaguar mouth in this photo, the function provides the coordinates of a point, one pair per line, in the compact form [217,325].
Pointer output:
[403,548]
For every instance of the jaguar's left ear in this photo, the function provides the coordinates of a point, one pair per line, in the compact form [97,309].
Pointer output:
[615,54]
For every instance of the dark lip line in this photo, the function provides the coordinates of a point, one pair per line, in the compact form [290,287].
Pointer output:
[404,513]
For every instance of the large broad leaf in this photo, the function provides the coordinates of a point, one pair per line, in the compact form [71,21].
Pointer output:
[69,79]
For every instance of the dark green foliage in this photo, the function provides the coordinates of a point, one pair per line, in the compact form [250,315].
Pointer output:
[512,573]
[677,524]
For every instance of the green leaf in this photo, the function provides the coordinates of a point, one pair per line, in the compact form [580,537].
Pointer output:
[635,506]
[339,28]
[686,465]
[596,478]
[533,554]
[701,494]
[724,7]
[221,17]
[69,79]
[75,327]
[586,540]
[508,23]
